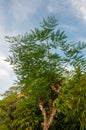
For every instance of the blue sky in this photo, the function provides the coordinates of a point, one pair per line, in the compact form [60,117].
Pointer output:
[20,16]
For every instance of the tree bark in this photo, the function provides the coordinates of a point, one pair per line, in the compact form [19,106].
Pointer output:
[48,119]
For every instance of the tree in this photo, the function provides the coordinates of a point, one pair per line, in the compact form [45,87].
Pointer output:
[77,95]
[6,111]
[71,102]
[40,60]
[17,113]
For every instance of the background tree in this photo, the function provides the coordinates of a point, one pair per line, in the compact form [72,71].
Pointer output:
[6,115]
[71,102]
[17,113]
[39,61]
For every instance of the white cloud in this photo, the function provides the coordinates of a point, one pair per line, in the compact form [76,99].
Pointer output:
[5,68]
[6,74]
[6,81]
[76,7]
[3,72]
[3,63]
[79,7]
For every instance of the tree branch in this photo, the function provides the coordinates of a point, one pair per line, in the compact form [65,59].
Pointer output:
[43,111]
[50,119]
[56,89]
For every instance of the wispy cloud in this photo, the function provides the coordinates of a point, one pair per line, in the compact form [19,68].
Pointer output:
[79,7]
[3,73]
[3,63]
[6,74]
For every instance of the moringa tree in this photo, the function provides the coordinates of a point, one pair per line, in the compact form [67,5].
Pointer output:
[40,60]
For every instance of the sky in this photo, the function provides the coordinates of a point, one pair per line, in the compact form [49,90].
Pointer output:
[20,16]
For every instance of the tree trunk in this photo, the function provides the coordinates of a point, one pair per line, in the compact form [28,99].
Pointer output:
[48,119]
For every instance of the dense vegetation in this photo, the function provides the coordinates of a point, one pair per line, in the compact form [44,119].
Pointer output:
[47,95]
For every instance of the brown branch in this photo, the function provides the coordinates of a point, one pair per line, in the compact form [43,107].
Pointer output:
[56,89]
[48,119]
[43,111]
[21,95]
[51,117]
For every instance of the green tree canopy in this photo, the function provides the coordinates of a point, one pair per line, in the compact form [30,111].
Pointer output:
[42,54]
[40,60]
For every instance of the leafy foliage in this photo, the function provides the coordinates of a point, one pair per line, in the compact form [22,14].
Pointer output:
[71,101]
[37,58]
[18,114]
